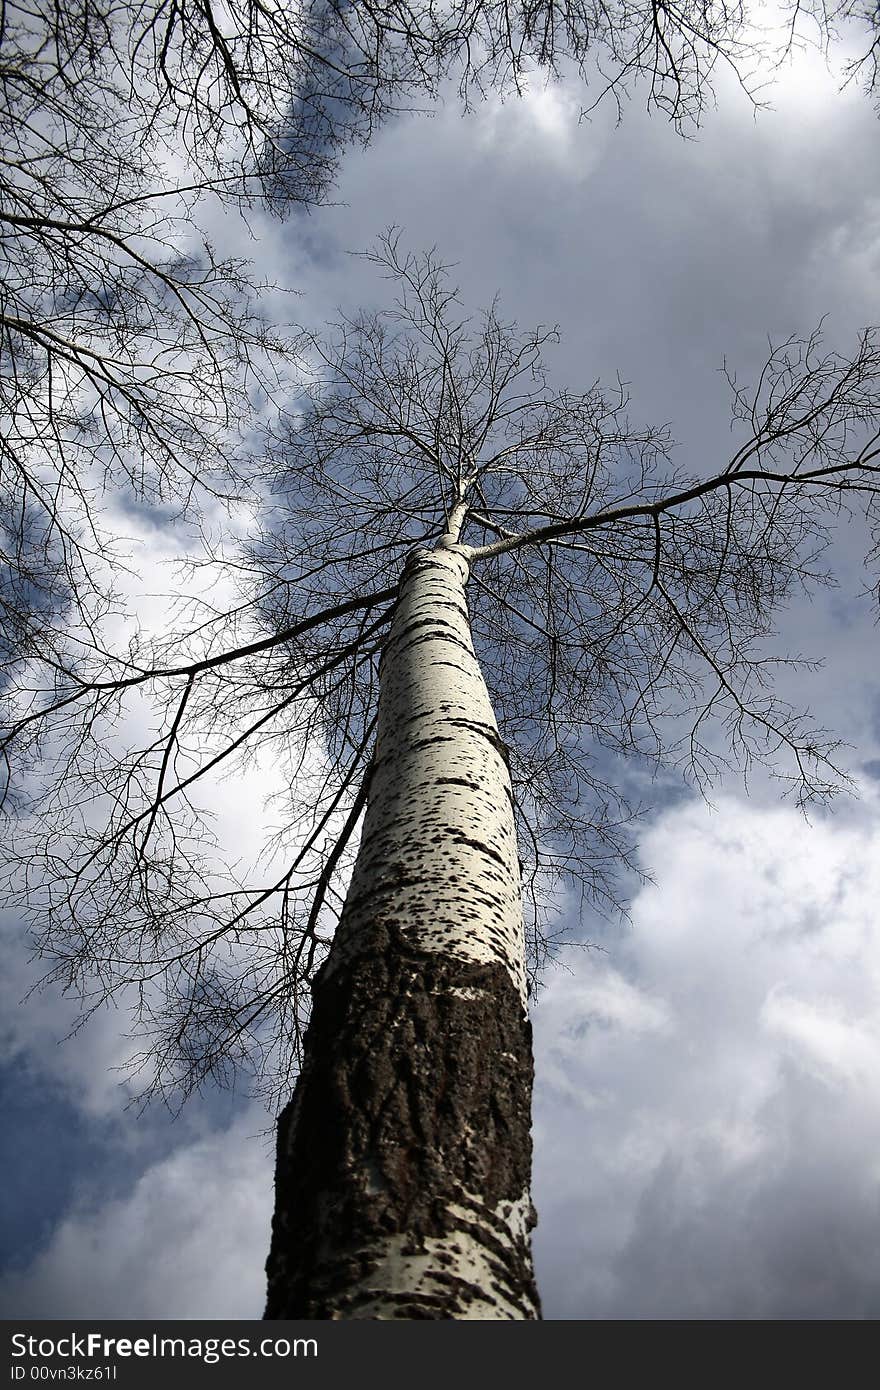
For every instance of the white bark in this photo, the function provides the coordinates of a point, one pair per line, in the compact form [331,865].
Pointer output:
[440,801]
[404,1157]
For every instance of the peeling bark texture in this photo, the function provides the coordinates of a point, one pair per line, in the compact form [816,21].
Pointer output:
[404,1156]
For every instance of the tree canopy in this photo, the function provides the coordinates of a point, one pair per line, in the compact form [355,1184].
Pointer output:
[619,608]
[133,350]
[139,365]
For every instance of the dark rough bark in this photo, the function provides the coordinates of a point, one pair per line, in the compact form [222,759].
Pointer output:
[414,1104]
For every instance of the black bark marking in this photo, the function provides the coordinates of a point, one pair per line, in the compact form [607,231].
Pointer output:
[435,634]
[417,744]
[458,838]
[411,1055]
[485,731]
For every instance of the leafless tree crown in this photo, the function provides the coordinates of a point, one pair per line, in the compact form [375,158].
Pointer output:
[620,609]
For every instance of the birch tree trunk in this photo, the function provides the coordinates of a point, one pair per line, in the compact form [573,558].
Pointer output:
[404,1156]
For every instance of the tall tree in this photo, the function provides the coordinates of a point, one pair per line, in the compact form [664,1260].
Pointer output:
[135,356]
[451,536]
[135,360]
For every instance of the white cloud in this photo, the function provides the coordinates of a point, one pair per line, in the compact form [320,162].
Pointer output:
[722,1162]
[823,1037]
[540,132]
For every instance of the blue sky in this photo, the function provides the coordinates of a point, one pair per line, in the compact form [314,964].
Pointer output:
[707,1114]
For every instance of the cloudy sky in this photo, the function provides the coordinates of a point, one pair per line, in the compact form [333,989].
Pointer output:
[707,1120]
